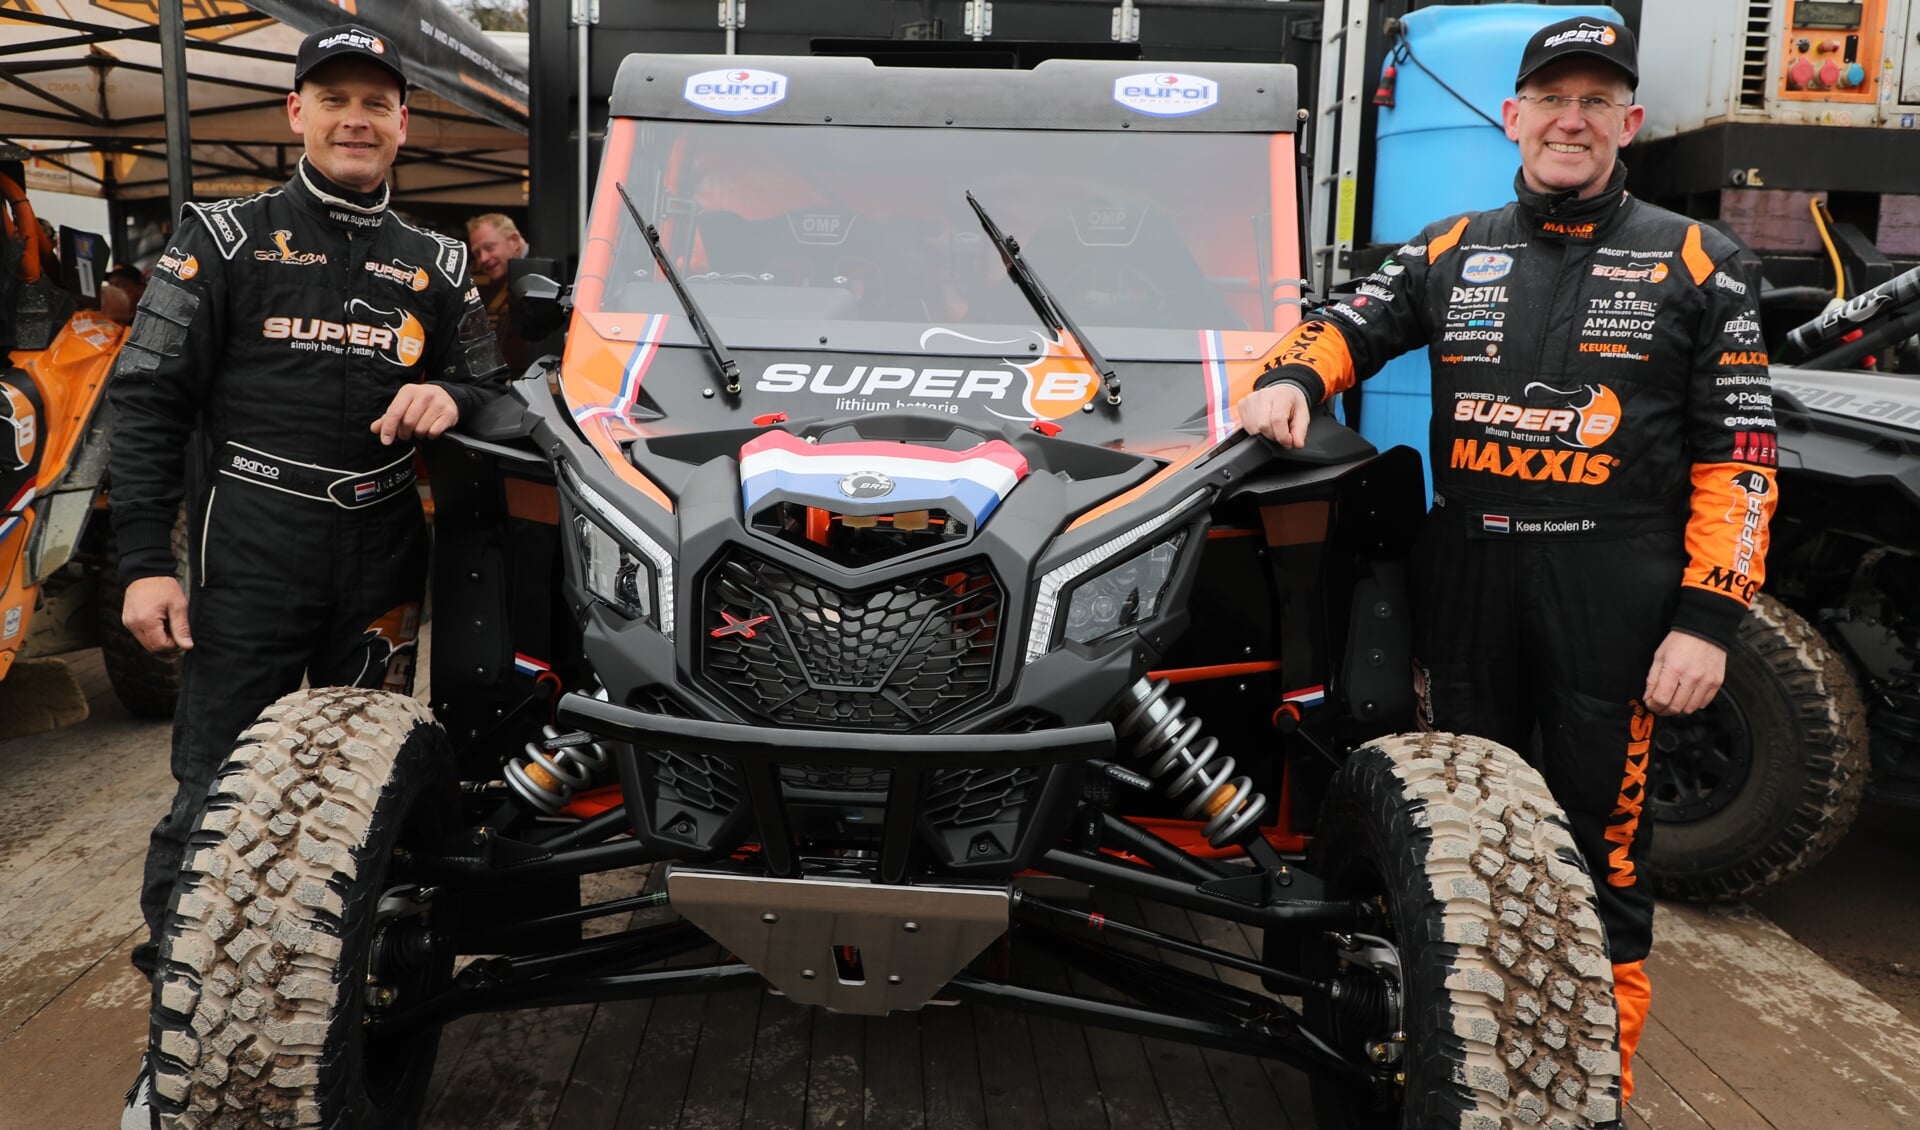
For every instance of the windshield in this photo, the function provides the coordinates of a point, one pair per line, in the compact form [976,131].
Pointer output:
[780,228]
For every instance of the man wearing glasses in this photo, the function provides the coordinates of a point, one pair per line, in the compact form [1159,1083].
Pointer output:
[1603,460]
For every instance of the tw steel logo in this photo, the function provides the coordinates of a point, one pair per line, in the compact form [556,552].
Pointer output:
[397,336]
[734,626]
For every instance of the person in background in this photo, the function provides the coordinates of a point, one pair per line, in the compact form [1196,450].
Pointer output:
[120,294]
[301,340]
[494,240]
[1603,452]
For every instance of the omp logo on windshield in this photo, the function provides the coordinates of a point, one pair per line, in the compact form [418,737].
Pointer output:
[414,278]
[397,336]
[284,253]
[739,90]
[1585,33]
[1166,95]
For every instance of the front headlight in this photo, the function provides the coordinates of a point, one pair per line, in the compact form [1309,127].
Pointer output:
[621,565]
[1046,605]
[1123,595]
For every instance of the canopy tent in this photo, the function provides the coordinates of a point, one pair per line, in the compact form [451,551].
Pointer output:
[82,88]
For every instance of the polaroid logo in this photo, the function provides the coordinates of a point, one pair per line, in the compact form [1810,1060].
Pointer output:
[1585,33]
[741,91]
[1166,95]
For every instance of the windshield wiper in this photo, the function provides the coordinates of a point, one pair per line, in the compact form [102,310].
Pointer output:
[1044,303]
[729,368]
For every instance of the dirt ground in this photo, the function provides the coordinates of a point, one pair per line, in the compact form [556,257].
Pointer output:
[1859,908]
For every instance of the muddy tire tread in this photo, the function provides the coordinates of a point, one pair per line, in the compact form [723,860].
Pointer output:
[249,976]
[1515,976]
[1826,701]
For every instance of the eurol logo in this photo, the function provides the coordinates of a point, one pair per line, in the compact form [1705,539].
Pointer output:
[1166,95]
[739,91]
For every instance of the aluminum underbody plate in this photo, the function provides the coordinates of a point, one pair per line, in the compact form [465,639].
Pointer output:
[906,942]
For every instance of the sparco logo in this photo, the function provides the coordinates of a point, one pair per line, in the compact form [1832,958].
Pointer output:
[248,466]
[1585,33]
[866,484]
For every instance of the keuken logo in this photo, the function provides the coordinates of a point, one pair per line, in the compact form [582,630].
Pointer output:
[740,90]
[1166,95]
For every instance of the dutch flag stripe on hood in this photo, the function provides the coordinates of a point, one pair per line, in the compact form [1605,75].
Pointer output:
[901,476]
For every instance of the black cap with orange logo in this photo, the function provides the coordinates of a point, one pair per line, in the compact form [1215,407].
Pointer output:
[342,42]
[1583,35]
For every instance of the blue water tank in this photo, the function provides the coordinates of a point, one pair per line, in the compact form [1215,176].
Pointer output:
[1435,156]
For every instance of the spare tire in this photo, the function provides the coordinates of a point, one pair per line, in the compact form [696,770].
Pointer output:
[1761,784]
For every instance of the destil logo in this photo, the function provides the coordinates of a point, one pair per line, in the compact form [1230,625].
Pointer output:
[1166,95]
[738,91]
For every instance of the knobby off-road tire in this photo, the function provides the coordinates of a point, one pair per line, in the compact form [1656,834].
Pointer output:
[1508,996]
[261,992]
[148,685]
[1790,721]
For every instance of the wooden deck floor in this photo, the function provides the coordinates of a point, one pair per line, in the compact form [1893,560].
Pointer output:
[1750,1030]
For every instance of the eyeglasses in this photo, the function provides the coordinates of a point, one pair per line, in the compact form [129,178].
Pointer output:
[1592,106]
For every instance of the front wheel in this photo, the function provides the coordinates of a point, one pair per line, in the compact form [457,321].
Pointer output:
[292,922]
[1491,959]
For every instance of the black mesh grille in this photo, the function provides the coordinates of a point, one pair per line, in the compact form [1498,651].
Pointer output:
[691,779]
[961,797]
[796,651]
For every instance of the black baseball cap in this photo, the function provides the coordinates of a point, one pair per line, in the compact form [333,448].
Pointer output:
[1583,35]
[347,41]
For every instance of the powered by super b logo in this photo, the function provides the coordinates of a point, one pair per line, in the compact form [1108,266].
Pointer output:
[738,90]
[1166,94]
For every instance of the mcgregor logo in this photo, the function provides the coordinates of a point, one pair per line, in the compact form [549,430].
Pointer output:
[396,336]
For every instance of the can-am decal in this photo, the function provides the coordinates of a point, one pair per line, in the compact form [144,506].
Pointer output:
[740,91]
[1165,94]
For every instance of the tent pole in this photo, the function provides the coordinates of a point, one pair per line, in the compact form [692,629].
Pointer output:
[173,85]
[586,13]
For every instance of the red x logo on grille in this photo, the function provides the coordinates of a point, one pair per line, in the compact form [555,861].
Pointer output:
[736,627]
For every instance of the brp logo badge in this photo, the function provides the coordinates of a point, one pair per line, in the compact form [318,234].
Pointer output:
[864,485]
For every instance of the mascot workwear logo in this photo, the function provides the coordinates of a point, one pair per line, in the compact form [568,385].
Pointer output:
[1585,33]
[1485,267]
[413,278]
[395,335]
[741,91]
[1166,95]
[21,435]
[284,253]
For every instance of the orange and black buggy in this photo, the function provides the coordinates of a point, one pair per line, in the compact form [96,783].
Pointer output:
[882,563]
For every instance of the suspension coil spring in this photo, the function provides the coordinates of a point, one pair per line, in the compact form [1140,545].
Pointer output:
[547,778]
[1160,733]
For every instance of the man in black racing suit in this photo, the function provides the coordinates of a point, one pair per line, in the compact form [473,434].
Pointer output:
[298,340]
[1603,460]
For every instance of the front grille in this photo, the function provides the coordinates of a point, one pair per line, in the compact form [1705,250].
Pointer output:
[696,780]
[961,798]
[793,650]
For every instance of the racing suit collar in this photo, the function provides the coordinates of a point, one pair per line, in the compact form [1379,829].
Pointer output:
[1564,216]
[357,209]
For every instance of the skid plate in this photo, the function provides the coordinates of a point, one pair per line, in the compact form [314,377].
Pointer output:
[910,940]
